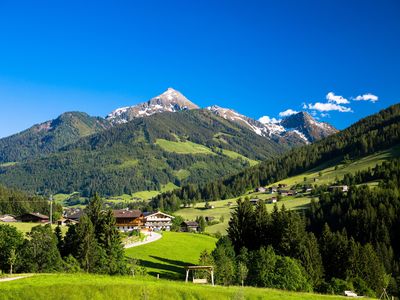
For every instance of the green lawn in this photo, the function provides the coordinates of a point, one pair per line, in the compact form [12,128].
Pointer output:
[96,287]
[26,227]
[186,147]
[169,255]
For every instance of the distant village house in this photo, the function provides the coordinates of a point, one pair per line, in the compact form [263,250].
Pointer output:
[272,189]
[209,218]
[33,218]
[261,189]
[254,201]
[287,192]
[340,188]
[7,218]
[189,226]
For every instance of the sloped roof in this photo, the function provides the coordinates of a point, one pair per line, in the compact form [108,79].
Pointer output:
[75,216]
[123,213]
[147,214]
[190,223]
[39,215]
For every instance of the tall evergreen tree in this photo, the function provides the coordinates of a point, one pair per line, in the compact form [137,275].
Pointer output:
[71,242]
[261,231]
[88,251]
[240,229]
[110,242]
[94,210]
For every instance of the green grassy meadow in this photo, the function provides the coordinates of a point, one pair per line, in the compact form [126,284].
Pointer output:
[26,227]
[235,155]
[169,255]
[329,174]
[185,147]
[96,287]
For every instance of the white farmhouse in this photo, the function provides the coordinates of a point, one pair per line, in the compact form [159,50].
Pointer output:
[158,221]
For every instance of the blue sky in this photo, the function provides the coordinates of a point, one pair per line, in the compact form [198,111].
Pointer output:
[257,57]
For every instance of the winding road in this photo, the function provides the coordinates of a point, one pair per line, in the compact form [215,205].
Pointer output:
[152,237]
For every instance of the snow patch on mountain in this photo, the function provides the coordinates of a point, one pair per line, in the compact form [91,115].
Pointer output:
[301,135]
[169,101]
[302,127]
[294,127]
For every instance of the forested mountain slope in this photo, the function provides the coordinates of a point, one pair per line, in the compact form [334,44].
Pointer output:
[50,136]
[144,154]
[376,132]
[47,137]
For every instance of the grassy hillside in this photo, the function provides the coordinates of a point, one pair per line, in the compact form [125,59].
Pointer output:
[96,287]
[169,255]
[234,155]
[330,171]
[324,174]
[186,147]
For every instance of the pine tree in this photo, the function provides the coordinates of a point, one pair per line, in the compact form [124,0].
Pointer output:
[94,211]
[60,242]
[110,242]
[71,242]
[261,231]
[240,229]
[88,251]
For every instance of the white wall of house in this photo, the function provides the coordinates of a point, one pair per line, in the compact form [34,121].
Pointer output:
[158,221]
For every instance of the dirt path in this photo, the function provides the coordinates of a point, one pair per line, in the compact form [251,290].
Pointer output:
[13,278]
[149,239]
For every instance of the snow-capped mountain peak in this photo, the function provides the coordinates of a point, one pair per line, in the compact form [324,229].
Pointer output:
[266,130]
[308,126]
[169,101]
[297,128]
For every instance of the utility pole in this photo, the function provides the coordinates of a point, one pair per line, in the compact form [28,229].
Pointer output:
[51,209]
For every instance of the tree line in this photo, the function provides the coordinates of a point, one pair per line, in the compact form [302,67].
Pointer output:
[93,245]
